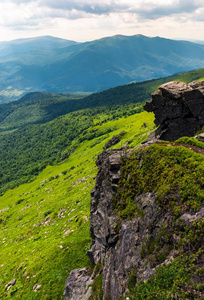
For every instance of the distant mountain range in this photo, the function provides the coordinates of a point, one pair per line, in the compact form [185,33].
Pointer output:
[56,65]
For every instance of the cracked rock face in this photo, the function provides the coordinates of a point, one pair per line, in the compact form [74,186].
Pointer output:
[178,109]
[77,285]
[101,220]
[118,249]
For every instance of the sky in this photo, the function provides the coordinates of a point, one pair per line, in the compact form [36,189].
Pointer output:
[86,20]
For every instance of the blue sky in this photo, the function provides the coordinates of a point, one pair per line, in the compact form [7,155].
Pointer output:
[84,20]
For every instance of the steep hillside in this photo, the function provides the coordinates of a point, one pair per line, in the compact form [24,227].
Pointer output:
[27,151]
[45,223]
[55,65]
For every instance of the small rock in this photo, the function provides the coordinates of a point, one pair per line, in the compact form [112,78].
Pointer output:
[191,218]
[67,232]
[37,287]
[12,282]
[200,137]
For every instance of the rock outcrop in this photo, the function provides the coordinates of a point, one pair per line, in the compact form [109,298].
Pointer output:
[130,250]
[178,109]
[118,246]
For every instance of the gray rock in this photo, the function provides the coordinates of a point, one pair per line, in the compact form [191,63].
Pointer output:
[101,221]
[114,140]
[191,218]
[118,248]
[178,109]
[200,137]
[37,287]
[10,284]
[77,285]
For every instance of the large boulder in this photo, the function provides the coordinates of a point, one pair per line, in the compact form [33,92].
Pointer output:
[178,109]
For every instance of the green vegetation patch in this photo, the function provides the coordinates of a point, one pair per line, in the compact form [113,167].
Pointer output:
[181,279]
[190,141]
[176,174]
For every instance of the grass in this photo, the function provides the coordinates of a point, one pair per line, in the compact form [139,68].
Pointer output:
[172,281]
[176,174]
[45,223]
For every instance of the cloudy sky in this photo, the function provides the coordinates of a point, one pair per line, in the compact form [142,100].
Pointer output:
[83,20]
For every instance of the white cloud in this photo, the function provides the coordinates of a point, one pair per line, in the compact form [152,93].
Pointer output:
[69,18]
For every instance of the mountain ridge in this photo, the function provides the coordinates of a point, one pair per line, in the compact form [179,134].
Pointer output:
[67,66]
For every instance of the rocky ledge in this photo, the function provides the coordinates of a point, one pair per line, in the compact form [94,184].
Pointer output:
[178,109]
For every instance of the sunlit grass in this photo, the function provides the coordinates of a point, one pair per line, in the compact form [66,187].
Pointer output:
[45,225]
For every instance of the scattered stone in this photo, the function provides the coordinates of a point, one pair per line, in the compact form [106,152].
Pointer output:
[10,284]
[61,213]
[44,181]
[4,209]
[37,287]
[48,190]
[178,109]
[79,180]
[114,140]
[67,232]
[28,206]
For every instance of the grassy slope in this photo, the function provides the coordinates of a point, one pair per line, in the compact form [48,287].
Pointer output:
[45,227]
[24,153]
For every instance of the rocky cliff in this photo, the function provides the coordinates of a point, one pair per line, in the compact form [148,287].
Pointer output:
[147,212]
[178,109]
[137,228]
